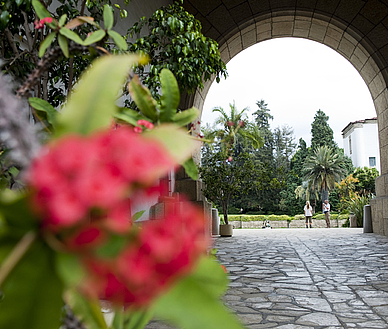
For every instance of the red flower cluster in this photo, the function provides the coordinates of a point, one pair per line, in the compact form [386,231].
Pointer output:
[39,24]
[83,187]
[77,176]
[163,251]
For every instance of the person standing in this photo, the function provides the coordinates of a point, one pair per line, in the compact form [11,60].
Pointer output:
[326,211]
[308,213]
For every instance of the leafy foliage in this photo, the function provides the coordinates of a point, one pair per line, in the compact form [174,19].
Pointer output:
[53,271]
[323,168]
[175,42]
[321,133]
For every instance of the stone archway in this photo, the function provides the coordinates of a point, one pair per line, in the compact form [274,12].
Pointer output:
[354,28]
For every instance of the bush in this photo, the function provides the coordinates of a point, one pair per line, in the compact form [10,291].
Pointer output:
[233,210]
[319,216]
[299,217]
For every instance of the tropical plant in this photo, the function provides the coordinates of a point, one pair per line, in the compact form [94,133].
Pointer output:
[356,206]
[28,28]
[70,237]
[175,42]
[322,169]
[225,178]
[235,130]
[366,180]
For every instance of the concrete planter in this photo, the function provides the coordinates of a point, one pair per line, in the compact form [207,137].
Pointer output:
[226,230]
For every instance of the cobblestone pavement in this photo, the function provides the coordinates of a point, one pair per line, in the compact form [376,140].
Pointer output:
[306,278]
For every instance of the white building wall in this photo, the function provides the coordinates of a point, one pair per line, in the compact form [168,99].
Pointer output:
[364,143]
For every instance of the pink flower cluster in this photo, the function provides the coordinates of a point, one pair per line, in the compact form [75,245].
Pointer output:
[79,176]
[39,24]
[163,251]
[83,188]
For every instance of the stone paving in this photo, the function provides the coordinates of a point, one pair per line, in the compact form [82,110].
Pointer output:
[306,278]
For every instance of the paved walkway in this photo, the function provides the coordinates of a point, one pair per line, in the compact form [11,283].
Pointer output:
[306,278]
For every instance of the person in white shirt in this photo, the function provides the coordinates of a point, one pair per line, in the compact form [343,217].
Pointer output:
[326,211]
[308,213]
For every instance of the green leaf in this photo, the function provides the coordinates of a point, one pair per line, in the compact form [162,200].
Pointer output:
[136,320]
[40,10]
[143,99]
[14,207]
[193,303]
[130,116]
[62,20]
[19,2]
[111,248]
[69,269]
[118,39]
[185,117]
[137,215]
[88,311]
[94,37]
[168,135]
[33,292]
[108,17]
[4,19]
[44,106]
[191,169]
[46,43]
[170,96]
[92,104]
[71,35]
[63,44]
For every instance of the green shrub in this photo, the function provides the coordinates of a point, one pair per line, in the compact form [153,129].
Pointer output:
[279,217]
[343,216]
[319,216]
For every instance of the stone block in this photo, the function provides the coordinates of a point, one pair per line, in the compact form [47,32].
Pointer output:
[191,189]
[383,136]
[248,38]
[380,186]
[346,48]
[302,24]
[384,231]
[381,103]
[334,33]
[300,33]
[356,62]
[385,207]
[379,85]
[317,31]
[263,27]
[377,215]
[206,207]
[235,45]
[368,72]
[362,54]
[332,43]
[264,36]
[384,155]
[283,28]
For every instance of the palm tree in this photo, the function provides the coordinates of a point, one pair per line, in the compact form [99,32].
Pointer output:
[323,168]
[235,128]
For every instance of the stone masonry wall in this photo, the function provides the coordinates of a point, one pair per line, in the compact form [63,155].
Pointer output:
[316,223]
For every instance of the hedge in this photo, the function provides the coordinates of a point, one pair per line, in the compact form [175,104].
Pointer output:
[261,218]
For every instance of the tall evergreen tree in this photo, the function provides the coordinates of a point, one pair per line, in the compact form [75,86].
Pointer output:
[262,119]
[321,133]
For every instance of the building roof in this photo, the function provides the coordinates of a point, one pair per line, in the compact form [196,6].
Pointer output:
[371,120]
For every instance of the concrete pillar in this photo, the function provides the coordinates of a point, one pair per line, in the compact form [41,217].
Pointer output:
[367,220]
[353,220]
[215,222]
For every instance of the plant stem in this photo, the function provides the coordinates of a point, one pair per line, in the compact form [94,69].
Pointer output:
[16,255]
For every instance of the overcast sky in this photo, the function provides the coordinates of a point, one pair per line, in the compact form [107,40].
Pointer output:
[296,77]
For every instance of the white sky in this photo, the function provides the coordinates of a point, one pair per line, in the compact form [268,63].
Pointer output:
[296,77]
